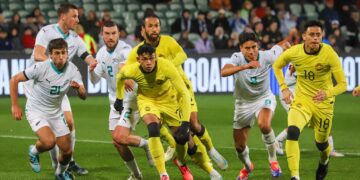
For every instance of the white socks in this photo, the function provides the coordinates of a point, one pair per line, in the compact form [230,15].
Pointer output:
[54,153]
[34,150]
[72,136]
[143,143]
[331,143]
[245,158]
[61,168]
[269,140]
[282,136]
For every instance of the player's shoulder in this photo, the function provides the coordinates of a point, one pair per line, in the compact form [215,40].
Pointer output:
[326,47]
[123,46]
[164,63]
[73,34]
[48,28]
[237,56]
[72,66]
[167,38]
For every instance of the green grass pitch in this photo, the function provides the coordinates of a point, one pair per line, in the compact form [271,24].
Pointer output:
[95,151]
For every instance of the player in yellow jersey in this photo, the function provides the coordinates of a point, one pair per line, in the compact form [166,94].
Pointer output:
[162,99]
[315,64]
[168,48]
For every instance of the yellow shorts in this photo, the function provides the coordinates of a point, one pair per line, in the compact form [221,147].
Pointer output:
[318,116]
[192,95]
[166,108]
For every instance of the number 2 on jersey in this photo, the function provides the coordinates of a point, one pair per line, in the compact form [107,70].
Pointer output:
[110,71]
[55,90]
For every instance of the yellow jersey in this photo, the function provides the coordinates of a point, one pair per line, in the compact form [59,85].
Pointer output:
[313,71]
[156,84]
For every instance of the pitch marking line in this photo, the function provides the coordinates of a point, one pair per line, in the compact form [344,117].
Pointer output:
[109,142]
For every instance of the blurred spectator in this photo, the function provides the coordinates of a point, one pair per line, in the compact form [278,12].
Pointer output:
[245,10]
[82,17]
[15,22]
[222,21]
[233,42]
[333,42]
[28,39]
[220,38]
[5,40]
[273,34]
[340,40]
[260,11]
[182,23]
[293,36]
[30,23]
[203,44]
[258,28]
[15,39]
[123,35]
[329,14]
[184,41]
[269,17]
[200,25]
[286,22]
[35,12]
[237,23]
[353,29]
[220,4]
[40,22]
[92,26]
[3,25]
[89,41]
[106,16]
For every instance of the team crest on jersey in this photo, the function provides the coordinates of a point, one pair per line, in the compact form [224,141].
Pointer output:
[159,81]
[319,67]
[147,108]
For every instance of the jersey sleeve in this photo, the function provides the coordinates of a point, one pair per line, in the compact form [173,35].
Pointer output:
[175,48]
[180,87]
[34,71]
[281,62]
[125,52]
[235,59]
[272,54]
[338,74]
[131,59]
[42,38]
[81,48]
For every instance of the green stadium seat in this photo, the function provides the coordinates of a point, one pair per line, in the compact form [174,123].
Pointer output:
[103,7]
[145,6]
[175,7]
[119,21]
[295,9]
[130,26]
[193,37]
[56,6]
[76,2]
[190,7]
[30,7]
[52,14]
[162,7]
[172,14]
[23,13]
[118,1]
[188,2]
[128,15]
[103,1]
[89,7]
[87,1]
[15,6]
[31,1]
[59,1]
[116,14]
[176,36]
[170,21]
[7,14]
[320,7]
[310,11]
[46,7]
[133,7]
[119,7]
[53,20]
[139,14]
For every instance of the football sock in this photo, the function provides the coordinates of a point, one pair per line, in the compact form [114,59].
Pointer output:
[205,138]
[157,153]
[133,167]
[164,133]
[34,151]
[293,156]
[61,168]
[54,153]
[72,136]
[324,155]
[331,143]
[282,136]
[199,155]
[269,141]
[244,157]
[143,143]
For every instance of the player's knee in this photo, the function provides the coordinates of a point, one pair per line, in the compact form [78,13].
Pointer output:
[198,129]
[181,137]
[322,146]
[154,129]
[264,128]
[120,138]
[48,143]
[293,133]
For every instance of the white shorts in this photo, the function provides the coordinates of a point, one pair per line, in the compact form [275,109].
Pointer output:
[56,123]
[246,112]
[65,104]
[282,102]
[129,118]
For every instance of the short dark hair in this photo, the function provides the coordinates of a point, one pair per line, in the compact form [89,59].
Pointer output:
[145,48]
[58,43]
[65,8]
[150,15]
[109,24]
[312,24]
[247,36]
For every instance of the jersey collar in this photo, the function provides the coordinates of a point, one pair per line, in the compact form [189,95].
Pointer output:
[58,71]
[62,32]
[314,53]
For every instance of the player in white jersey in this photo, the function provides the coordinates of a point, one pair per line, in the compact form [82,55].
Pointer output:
[52,80]
[290,80]
[253,98]
[68,19]
[110,57]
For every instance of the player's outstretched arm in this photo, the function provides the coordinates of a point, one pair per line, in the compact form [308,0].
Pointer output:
[80,89]
[91,61]
[14,83]
[284,44]
[356,91]
[39,53]
[230,69]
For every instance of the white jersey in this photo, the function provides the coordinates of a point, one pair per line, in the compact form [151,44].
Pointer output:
[76,46]
[290,79]
[252,84]
[50,86]
[108,66]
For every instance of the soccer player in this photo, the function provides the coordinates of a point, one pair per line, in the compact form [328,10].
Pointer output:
[162,98]
[253,98]
[68,19]
[290,80]
[110,57]
[313,103]
[52,80]
[168,48]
